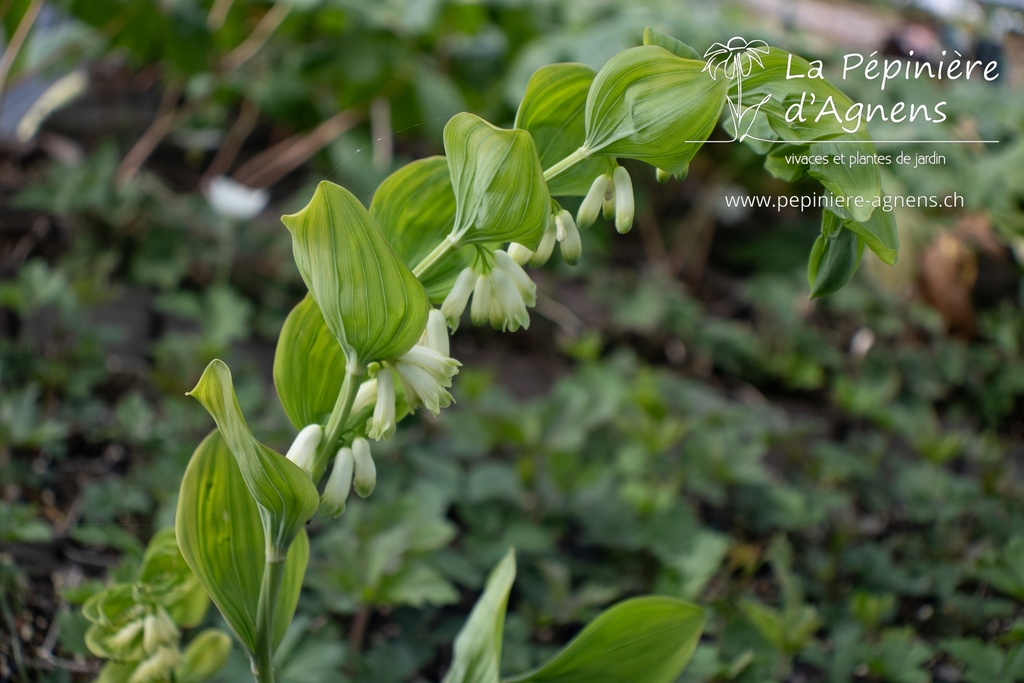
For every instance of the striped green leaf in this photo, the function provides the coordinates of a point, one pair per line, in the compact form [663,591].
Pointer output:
[309,366]
[415,209]
[500,193]
[649,639]
[835,256]
[552,111]
[221,538]
[369,298]
[649,104]
[284,493]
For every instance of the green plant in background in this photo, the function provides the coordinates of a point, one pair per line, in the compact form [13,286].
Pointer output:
[365,348]
[137,625]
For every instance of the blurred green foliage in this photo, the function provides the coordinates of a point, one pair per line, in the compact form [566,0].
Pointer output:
[837,481]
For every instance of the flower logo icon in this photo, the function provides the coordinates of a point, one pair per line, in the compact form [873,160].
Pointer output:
[735,58]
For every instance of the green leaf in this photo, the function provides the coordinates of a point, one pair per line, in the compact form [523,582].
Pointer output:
[647,639]
[477,655]
[221,537]
[878,231]
[500,193]
[369,298]
[786,87]
[309,366]
[834,257]
[552,111]
[284,493]
[673,45]
[648,104]
[415,209]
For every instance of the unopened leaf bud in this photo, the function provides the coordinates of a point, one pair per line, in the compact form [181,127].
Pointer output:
[623,200]
[204,656]
[159,630]
[303,449]
[365,476]
[332,502]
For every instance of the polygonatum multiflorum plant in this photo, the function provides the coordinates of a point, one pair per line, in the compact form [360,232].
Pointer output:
[369,344]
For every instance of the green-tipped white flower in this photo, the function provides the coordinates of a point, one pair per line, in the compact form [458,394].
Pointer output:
[546,246]
[508,309]
[365,477]
[455,303]
[662,176]
[436,334]
[332,502]
[425,375]
[527,288]
[569,241]
[159,630]
[520,254]
[590,208]
[158,667]
[480,308]
[303,449]
[623,200]
[382,424]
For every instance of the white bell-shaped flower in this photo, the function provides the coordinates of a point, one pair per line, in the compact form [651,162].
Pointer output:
[382,424]
[303,450]
[364,479]
[332,502]
[426,375]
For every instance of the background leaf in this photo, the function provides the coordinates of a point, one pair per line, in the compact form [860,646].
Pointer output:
[477,656]
[647,639]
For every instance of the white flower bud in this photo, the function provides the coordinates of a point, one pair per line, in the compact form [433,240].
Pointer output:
[366,396]
[332,502]
[592,203]
[546,246]
[519,253]
[623,200]
[303,449]
[126,637]
[436,334]
[382,424]
[570,243]
[455,303]
[480,309]
[608,205]
[662,176]
[365,479]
